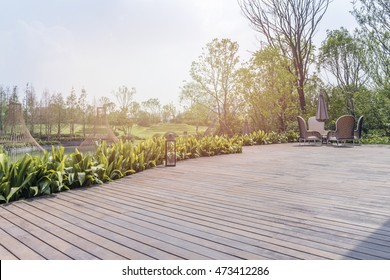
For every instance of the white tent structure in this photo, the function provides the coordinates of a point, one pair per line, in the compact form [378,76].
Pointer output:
[101,130]
[15,135]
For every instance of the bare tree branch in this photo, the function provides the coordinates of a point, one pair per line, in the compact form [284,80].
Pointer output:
[290,26]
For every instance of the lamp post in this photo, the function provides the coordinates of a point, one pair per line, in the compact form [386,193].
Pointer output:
[170,149]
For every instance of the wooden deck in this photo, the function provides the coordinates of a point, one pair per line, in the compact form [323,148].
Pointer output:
[270,202]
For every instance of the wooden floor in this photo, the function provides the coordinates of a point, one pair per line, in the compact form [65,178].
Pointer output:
[270,202]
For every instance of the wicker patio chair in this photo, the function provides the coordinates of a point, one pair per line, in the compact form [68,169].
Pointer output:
[306,135]
[358,130]
[344,132]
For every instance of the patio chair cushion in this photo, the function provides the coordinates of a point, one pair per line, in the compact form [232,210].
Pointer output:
[315,125]
[307,135]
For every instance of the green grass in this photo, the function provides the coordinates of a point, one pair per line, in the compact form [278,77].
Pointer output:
[137,130]
[161,129]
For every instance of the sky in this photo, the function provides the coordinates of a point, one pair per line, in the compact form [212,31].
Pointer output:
[100,45]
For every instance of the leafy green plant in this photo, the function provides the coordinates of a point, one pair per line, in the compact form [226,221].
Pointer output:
[291,136]
[55,166]
[11,180]
[57,171]
[112,160]
[81,172]
[247,140]
[375,137]
[23,178]
[217,145]
[259,137]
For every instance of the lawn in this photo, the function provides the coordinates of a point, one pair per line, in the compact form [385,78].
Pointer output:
[161,129]
[143,132]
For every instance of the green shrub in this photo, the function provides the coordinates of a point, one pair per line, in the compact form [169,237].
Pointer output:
[57,171]
[375,137]
[187,147]
[261,137]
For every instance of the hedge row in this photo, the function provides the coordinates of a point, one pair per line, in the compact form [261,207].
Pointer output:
[56,171]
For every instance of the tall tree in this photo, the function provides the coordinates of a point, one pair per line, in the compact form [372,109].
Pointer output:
[190,94]
[57,108]
[153,107]
[106,102]
[191,99]
[268,89]
[124,96]
[71,106]
[342,55]
[135,109]
[3,106]
[45,113]
[82,107]
[168,112]
[373,17]
[14,95]
[40,116]
[30,103]
[290,26]
[215,73]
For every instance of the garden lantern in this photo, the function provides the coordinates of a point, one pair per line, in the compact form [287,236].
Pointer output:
[170,149]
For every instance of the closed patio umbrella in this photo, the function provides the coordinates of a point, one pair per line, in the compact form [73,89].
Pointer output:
[245,129]
[322,110]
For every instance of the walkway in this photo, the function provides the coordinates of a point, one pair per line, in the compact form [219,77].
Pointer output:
[270,202]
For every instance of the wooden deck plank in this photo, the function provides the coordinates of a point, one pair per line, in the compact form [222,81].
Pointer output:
[93,243]
[17,247]
[210,249]
[256,219]
[121,245]
[263,215]
[4,253]
[128,236]
[241,239]
[219,218]
[144,195]
[222,247]
[254,225]
[52,236]
[270,202]
[20,232]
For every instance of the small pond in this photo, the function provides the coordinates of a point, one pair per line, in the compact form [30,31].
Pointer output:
[15,154]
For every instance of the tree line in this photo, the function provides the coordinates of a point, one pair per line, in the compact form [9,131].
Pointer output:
[57,116]
[284,77]
[280,81]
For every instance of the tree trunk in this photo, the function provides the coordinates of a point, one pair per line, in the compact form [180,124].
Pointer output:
[59,126]
[302,101]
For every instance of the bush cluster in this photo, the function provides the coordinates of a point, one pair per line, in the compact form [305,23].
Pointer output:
[375,137]
[261,137]
[56,171]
